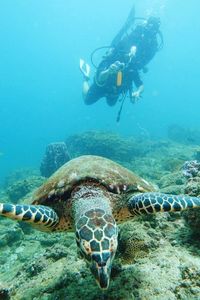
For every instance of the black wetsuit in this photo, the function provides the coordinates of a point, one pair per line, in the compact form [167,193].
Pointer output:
[146,45]
[145,42]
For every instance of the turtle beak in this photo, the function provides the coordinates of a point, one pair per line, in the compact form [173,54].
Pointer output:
[103,277]
[101,272]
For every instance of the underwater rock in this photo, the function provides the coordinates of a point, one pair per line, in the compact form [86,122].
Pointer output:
[192,187]
[57,273]
[46,267]
[11,234]
[105,144]
[193,220]
[55,156]
[192,217]
[173,183]
[19,174]
[171,164]
[4,293]
[134,242]
[197,154]
[20,188]
[57,252]
[184,135]
[172,179]
[173,189]
[190,280]
[158,269]
[147,167]
[191,168]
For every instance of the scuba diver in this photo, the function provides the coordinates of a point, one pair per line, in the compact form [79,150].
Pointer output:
[129,53]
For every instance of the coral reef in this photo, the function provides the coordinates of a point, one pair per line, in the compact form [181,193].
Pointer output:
[158,258]
[192,186]
[55,156]
[4,293]
[162,267]
[173,183]
[197,154]
[184,135]
[20,188]
[192,218]
[19,174]
[105,144]
[191,168]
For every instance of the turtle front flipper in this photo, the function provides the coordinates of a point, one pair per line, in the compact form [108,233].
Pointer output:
[43,217]
[149,203]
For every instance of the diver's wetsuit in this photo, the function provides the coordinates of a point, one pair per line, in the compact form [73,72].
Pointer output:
[146,45]
[110,90]
[145,42]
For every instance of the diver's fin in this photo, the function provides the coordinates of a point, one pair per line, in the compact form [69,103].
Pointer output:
[131,17]
[129,22]
[85,69]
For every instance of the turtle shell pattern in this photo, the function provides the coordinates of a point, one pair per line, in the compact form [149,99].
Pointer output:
[117,180]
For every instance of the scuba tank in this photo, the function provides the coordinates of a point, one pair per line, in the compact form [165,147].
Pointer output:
[119,78]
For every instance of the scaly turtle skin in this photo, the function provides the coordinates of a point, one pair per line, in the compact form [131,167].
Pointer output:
[89,195]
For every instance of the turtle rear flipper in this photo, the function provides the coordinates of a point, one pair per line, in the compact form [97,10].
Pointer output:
[149,203]
[43,217]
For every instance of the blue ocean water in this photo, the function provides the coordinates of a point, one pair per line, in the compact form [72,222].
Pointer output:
[40,82]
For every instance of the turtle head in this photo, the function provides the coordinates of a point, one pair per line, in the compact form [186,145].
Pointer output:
[96,235]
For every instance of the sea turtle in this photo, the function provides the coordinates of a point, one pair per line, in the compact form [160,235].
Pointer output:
[90,195]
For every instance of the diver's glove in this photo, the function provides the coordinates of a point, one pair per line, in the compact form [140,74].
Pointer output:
[115,67]
[135,96]
[111,70]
